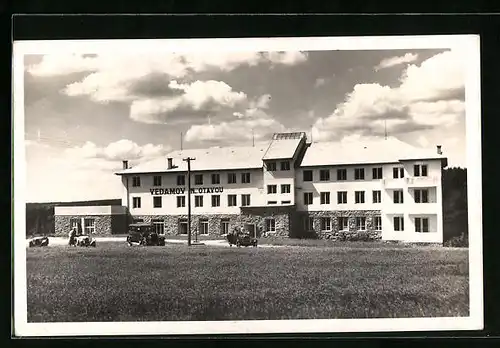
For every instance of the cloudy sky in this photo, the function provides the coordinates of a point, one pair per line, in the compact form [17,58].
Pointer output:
[85,113]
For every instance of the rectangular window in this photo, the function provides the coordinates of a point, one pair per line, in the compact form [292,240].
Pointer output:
[215,179]
[308,198]
[343,223]
[245,178]
[89,225]
[231,200]
[422,196]
[285,188]
[421,225]
[324,175]
[309,223]
[270,225]
[159,226]
[271,166]
[198,179]
[272,202]
[203,226]
[198,201]
[224,226]
[286,202]
[285,165]
[378,223]
[183,226]
[361,223]
[157,202]
[326,224]
[231,178]
[359,174]
[181,180]
[215,201]
[271,189]
[245,200]
[398,172]
[359,197]
[325,197]
[307,175]
[399,223]
[420,170]
[377,173]
[342,197]
[136,181]
[398,196]
[341,174]
[76,223]
[377,196]
[157,180]
[181,201]
[136,202]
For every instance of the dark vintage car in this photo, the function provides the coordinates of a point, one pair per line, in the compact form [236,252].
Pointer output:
[144,234]
[39,241]
[241,239]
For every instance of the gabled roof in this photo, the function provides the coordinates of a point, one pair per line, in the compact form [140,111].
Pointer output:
[378,151]
[213,158]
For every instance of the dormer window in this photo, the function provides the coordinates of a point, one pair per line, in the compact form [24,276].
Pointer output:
[271,166]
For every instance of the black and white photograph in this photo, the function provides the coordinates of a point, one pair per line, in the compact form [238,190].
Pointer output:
[219,186]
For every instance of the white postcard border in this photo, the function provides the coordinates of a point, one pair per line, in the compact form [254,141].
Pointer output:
[468,44]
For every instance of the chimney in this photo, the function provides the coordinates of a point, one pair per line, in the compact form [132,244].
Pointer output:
[169,163]
[439,150]
[125,164]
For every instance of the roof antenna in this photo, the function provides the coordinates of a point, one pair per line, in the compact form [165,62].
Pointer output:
[312,127]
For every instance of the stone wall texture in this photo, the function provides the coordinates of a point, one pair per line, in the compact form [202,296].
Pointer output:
[289,223]
[104,224]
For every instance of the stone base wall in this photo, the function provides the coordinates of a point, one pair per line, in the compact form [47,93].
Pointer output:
[352,234]
[171,222]
[103,224]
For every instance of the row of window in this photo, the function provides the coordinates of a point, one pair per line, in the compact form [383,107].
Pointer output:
[326,224]
[284,165]
[272,189]
[421,196]
[88,225]
[198,179]
[359,173]
[307,175]
[198,201]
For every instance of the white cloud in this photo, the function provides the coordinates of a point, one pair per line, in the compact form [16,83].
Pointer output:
[117,151]
[286,58]
[430,95]
[128,66]
[234,131]
[319,82]
[393,61]
[202,97]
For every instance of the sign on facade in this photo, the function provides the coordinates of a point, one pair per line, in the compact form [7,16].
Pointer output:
[182,190]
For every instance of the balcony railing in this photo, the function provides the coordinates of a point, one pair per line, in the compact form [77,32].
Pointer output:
[422,181]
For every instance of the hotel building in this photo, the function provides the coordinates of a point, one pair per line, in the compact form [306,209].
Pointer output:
[385,190]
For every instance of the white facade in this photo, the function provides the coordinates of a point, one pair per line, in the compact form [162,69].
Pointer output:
[279,174]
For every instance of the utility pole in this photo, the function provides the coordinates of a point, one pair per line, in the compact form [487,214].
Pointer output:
[181,140]
[188,160]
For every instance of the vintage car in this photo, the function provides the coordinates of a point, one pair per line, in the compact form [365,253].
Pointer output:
[38,241]
[144,234]
[241,239]
[85,241]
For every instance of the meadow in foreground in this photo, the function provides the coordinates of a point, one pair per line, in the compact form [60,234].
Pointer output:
[114,282]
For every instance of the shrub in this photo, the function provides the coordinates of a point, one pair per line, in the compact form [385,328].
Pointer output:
[461,241]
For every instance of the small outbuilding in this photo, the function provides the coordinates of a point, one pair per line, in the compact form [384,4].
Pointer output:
[91,220]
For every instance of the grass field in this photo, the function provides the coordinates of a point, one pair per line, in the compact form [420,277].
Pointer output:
[117,283]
